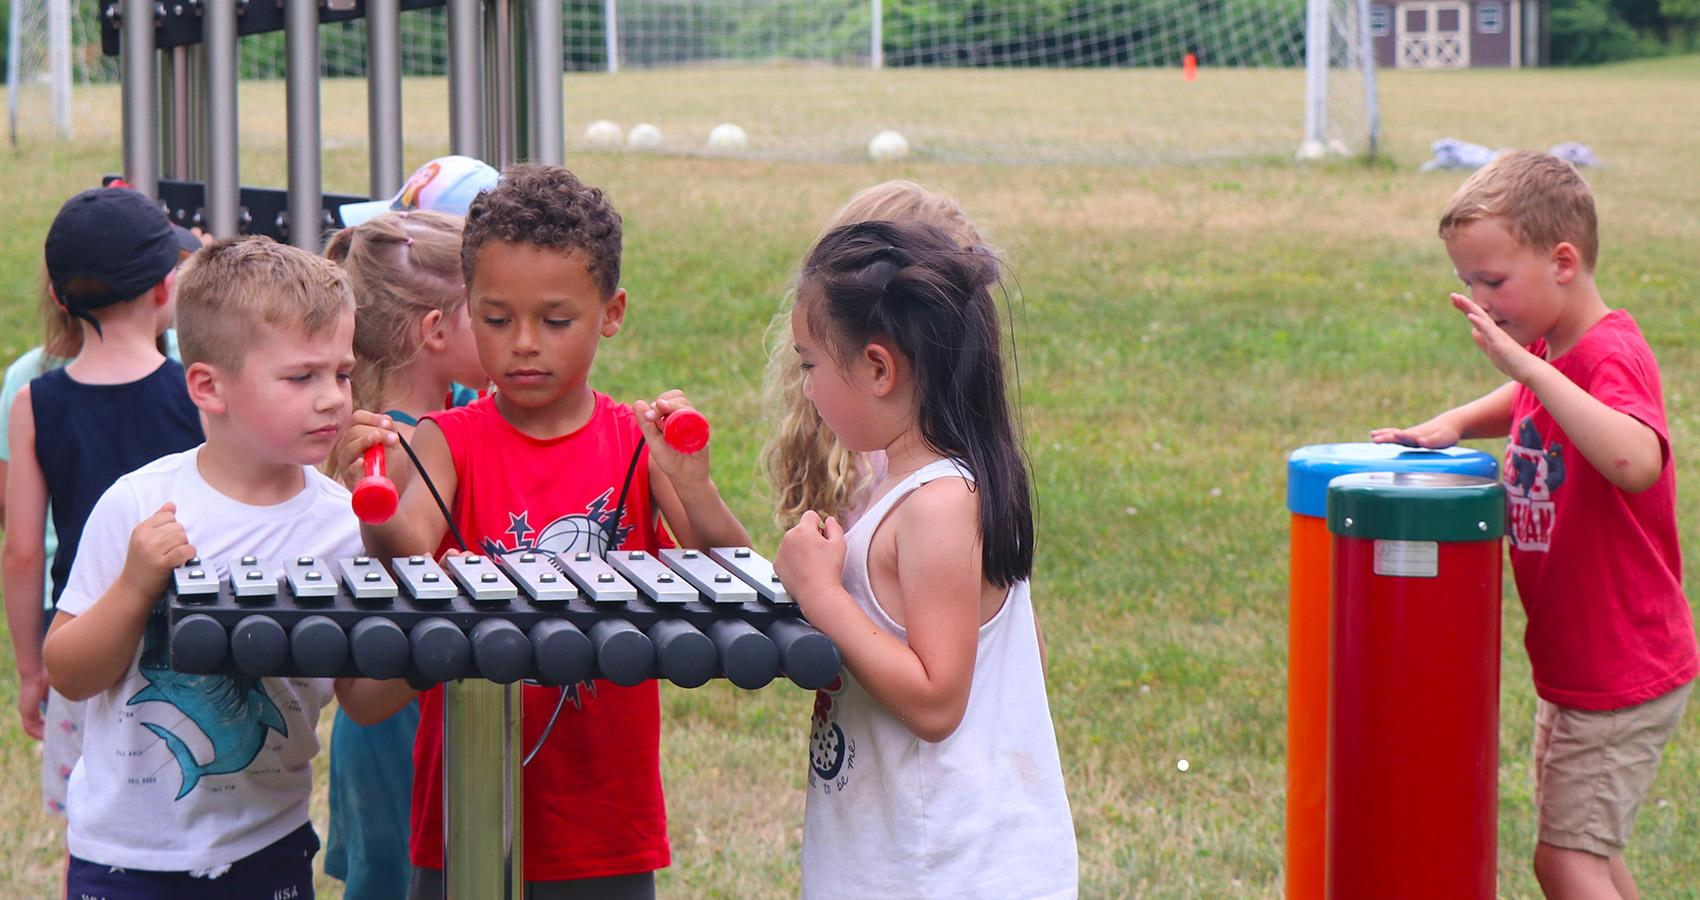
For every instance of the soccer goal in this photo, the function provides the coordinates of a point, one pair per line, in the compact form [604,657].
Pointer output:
[1087,82]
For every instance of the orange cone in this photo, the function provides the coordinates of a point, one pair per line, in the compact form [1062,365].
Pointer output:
[1189,67]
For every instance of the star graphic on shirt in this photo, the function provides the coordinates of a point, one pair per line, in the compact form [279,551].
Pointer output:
[519,528]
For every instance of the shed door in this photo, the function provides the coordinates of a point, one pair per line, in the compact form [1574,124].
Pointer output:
[1433,35]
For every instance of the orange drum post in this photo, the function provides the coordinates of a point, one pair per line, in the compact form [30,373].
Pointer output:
[1309,469]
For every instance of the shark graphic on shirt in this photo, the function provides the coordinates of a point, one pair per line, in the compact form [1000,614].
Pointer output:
[234,713]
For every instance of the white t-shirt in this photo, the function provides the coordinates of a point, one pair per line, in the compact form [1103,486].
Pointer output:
[193,772]
[981,813]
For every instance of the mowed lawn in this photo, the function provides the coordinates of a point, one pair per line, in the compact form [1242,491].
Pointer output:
[1178,330]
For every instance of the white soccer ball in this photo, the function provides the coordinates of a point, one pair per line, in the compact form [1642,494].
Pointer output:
[888,146]
[644,136]
[727,136]
[604,135]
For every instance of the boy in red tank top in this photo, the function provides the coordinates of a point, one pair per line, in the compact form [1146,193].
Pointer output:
[540,465]
[1591,508]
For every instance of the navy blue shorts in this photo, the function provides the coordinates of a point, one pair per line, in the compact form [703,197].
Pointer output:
[281,871]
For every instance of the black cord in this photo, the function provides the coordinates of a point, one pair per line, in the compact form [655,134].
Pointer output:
[447,516]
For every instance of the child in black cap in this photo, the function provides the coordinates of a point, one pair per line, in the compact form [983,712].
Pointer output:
[118,405]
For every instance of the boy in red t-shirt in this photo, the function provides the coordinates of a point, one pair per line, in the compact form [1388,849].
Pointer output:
[1592,507]
[540,465]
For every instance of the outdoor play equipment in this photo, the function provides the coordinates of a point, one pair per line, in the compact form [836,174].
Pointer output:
[1413,750]
[1309,470]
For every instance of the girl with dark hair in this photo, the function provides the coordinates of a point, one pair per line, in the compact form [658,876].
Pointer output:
[933,761]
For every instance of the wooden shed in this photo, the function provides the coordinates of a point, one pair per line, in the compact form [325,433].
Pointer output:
[1458,34]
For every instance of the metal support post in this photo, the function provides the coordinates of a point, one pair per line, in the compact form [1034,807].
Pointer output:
[499,148]
[1316,72]
[466,78]
[59,64]
[548,139]
[611,34]
[306,183]
[383,96]
[876,48]
[141,128]
[224,199]
[482,786]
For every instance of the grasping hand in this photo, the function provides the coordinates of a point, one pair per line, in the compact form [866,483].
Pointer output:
[365,429]
[157,545]
[810,560]
[683,468]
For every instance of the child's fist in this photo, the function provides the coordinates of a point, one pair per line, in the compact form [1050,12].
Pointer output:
[157,545]
[682,468]
[810,560]
[365,429]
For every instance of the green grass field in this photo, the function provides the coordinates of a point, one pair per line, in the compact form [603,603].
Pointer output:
[1179,331]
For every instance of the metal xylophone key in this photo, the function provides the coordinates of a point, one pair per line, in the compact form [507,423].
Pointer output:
[558,619]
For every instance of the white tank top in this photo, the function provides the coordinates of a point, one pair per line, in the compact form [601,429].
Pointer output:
[980,814]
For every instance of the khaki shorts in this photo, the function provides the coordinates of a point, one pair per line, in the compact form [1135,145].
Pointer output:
[1593,769]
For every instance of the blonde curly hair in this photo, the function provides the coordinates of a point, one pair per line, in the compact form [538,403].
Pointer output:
[804,462]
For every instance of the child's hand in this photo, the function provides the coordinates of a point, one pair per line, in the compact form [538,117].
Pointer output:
[158,545]
[685,469]
[364,430]
[1501,349]
[32,693]
[810,561]
[1433,434]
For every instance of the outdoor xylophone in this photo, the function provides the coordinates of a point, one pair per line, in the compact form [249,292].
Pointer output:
[683,615]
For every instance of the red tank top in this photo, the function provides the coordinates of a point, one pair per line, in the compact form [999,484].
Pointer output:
[593,804]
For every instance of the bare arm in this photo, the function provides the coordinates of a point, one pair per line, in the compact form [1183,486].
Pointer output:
[417,528]
[90,653]
[25,560]
[1623,448]
[1487,416]
[924,682]
[369,702]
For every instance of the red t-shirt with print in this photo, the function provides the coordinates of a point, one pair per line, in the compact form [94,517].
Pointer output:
[1598,569]
[593,804]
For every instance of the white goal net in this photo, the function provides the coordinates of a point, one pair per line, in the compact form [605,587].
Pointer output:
[1088,82]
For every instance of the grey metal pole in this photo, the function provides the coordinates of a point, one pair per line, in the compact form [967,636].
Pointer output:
[141,127]
[301,92]
[519,78]
[466,78]
[195,111]
[611,34]
[177,67]
[1316,73]
[224,199]
[383,96]
[548,140]
[499,148]
[1372,101]
[59,59]
[481,742]
[876,48]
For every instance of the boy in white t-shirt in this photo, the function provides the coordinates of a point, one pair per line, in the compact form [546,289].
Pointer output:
[196,786]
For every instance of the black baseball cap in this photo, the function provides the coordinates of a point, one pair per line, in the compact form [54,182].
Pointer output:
[114,236]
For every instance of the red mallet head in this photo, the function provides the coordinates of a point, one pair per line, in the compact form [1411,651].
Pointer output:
[685,431]
[375,495]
